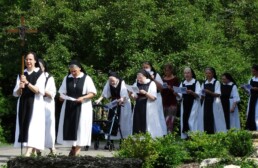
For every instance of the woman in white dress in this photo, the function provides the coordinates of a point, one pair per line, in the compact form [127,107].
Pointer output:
[190,104]
[115,89]
[155,77]
[229,99]
[145,113]
[252,109]
[75,124]
[49,98]
[30,120]
[211,118]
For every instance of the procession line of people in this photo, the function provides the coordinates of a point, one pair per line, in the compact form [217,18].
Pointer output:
[211,106]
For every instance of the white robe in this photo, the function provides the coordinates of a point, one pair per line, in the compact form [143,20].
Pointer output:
[153,124]
[160,107]
[256,106]
[193,118]
[50,130]
[85,123]
[126,112]
[219,119]
[234,116]
[36,132]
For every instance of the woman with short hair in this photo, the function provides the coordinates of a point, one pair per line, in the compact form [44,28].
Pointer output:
[30,120]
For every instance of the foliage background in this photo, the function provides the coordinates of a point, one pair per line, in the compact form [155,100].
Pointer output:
[120,34]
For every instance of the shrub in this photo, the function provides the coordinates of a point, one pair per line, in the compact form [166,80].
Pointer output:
[239,143]
[171,152]
[140,146]
[160,152]
[201,145]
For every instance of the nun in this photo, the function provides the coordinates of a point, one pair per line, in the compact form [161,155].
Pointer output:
[230,99]
[49,99]
[190,104]
[252,109]
[156,78]
[115,89]
[211,117]
[75,123]
[146,117]
[30,120]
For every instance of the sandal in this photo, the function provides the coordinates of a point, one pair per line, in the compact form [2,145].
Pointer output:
[72,151]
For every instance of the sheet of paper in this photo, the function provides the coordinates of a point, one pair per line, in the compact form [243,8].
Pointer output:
[165,85]
[65,97]
[111,105]
[179,89]
[203,92]
[132,88]
[151,72]
[247,87]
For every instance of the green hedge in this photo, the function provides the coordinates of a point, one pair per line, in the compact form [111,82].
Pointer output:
[171,151]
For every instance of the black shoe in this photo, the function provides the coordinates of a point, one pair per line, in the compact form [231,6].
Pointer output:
[109,146]
[106,147]
[86,148]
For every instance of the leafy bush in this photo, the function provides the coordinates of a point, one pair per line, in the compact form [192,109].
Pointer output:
[239,143]
[140,146]
[202,146]
[171,152]
[160,152]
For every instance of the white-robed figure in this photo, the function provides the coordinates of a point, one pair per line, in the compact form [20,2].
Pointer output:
[30,120]
[159,84]
[49,98]
[75,124]
[229,99]
[211,117]
[115,89]
[145,113]
[190,104]
[252,108]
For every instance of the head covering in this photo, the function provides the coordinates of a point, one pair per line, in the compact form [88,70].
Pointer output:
[229,77]
[255,67]
[113,73]
[213,71]
[44,64]
[144,73]
[191,70]
[151,67]
[76,63]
